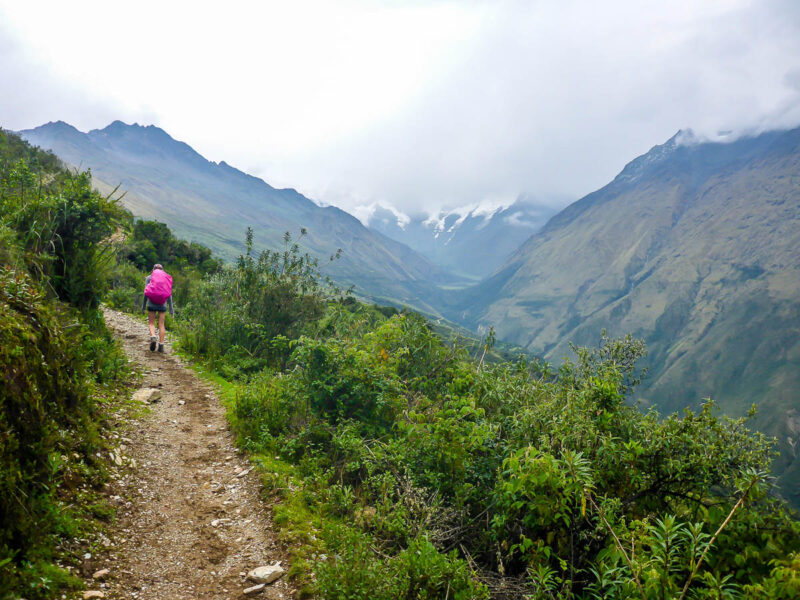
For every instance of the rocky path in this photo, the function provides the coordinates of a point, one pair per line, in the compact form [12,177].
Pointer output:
[190,522]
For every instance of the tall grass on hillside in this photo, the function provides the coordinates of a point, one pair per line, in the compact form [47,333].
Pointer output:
[59,228]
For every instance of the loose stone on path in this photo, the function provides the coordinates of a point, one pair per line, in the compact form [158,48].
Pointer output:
[147,395]
[256,589]
[266,574]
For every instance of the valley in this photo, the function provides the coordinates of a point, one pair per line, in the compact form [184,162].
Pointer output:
[400,300]
[693,247]
[471,241]
[394,463]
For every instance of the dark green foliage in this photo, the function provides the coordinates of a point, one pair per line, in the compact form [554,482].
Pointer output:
[41,393]
[533,473]
[152,242]
[59,226]
[148,243]
[340,385]
[14,149]
[420,572]
[54,361]
[127,288]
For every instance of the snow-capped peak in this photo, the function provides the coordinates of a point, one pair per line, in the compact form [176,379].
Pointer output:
[486,208]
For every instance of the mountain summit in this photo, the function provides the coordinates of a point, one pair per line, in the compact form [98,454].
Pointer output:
[213,203]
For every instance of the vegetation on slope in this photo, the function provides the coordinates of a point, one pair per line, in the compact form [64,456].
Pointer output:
[406,469]
[57,363]
[213,203]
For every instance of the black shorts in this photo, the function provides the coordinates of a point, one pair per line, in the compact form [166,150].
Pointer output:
[151,307]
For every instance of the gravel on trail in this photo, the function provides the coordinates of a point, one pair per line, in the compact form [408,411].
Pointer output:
[190,520]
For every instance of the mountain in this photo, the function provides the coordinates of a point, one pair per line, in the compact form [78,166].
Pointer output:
[472,241]
[694,247]
[214,203]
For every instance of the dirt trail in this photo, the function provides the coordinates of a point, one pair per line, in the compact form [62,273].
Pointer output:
[191,522]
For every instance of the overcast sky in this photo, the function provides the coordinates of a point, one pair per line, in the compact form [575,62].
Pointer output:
[411,103]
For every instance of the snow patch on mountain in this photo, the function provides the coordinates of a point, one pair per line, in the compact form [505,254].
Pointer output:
[378,212]
[447,221]
[472,239]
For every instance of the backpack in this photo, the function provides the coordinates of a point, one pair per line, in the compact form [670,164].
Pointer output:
[160,287]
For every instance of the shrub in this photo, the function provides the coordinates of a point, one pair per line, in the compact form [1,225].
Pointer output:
[346,383]
[62,228]
[126,287]
[266,406]
[152,242]
[353,570]
[255,307]
[535,474]
[44,397]
[426,574]
[54,359]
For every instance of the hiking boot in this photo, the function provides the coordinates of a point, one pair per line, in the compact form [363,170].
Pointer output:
[161,347]
[152,343]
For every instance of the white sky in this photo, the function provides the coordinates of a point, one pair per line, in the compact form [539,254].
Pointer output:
[417,104]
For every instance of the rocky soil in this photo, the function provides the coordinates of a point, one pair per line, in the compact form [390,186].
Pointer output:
[190,520]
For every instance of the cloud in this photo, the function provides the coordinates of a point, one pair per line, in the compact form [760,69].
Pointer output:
[422,105]
[34,94]
[555,99]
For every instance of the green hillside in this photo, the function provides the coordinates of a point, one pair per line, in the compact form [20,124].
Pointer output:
[696,249]
[401,466]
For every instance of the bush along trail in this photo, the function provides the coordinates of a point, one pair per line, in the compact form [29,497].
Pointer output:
[190,522]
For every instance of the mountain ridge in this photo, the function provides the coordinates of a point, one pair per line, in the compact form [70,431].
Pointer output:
[698,254]
[213,203]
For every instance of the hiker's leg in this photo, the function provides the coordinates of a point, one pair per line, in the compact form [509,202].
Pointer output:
[162,331]
[151,322]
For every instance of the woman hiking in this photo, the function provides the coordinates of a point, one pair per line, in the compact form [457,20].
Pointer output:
[157,295]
